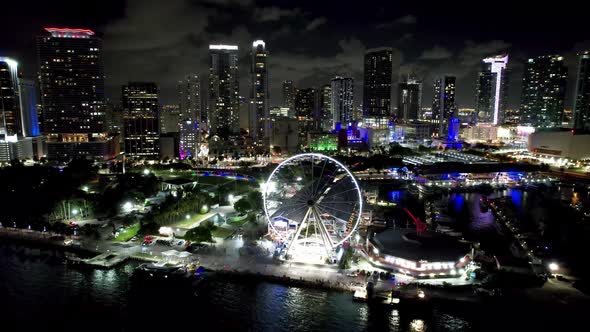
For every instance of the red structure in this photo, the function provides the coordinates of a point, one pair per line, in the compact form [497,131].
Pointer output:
[420,225]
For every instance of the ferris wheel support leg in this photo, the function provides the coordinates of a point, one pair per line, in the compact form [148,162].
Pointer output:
[324,233]
[294,239]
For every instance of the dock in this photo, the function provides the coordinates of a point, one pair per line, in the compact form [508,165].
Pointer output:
[106,260]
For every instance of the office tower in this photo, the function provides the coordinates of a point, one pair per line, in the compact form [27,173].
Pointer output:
[259,108]
[443,104]
[224,97]
[409,99]
[189,91]
[342,101]
[326,108]
[28,108]
[377,83]
[72,94]
[305,108]
[289,92]
[140,120]
[543,91]
[279,112]
[582,101]
[492,90]
[10,115]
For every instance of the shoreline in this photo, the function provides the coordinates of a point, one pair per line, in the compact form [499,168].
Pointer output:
[31,239]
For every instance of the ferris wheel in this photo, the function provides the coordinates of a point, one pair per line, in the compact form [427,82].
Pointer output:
[313,204]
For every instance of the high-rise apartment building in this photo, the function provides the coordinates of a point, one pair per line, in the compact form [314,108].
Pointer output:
[492,90]
[409,100]
[342,101]
[582,97]
[224,89]
[443,103]
[289,92]
[259,109]
[377,84]
[543,91]
[189,91]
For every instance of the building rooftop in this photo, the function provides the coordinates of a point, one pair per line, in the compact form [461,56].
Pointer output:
[428,246]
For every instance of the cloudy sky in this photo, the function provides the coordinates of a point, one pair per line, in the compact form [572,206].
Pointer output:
[309,41]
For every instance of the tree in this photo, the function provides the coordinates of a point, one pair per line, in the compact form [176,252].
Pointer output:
[255,199]
[199,234]
[242,206]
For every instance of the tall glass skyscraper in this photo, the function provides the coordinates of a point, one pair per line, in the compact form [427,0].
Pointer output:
[224,91]
[326,108]
[377,83]
[582,101]
[72,94]
[543,91]
[140,120]
[259,108]
[492,90]
[342,101]
[189,91]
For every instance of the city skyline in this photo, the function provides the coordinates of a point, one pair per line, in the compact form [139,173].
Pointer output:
[414,36]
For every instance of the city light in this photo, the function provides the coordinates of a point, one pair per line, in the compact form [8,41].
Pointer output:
[146,171]
[553,267]
[75,212]
[187,217]
[128,206]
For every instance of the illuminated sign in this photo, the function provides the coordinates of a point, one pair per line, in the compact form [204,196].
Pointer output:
[223,47]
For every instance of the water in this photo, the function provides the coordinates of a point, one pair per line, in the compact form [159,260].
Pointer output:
[37,287]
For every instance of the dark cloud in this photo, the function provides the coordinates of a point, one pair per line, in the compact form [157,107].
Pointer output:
[315,23]
[404,20]
[436,53]
[407,19]
[269,14]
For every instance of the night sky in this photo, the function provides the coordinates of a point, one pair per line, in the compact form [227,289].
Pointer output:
[309,41]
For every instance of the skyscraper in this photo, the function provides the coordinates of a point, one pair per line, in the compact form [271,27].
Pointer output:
[189,91]
[443,104]
[342,101]
[543,91]
[289,92]
[10,115]
[409,99]
[326,108]
[377,83]
[259,112]
[170,119]
[72,94]
[492,89]
[582,101]
[224,89]
[140,120]
[305,108]
[28,108]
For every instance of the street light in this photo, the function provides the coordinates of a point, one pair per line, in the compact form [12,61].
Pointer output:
[553,267]
[188,216]
[146,171]
[75,212]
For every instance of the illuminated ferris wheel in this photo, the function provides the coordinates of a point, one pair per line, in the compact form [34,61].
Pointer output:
[313,204]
